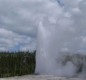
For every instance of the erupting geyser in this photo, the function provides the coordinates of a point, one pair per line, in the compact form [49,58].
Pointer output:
[62,38]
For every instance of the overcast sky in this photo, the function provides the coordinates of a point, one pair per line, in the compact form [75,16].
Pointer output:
[19,20]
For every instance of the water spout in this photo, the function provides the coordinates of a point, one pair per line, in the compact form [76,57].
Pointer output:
[60,37]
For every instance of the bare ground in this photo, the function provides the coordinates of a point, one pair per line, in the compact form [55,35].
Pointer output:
[40,77]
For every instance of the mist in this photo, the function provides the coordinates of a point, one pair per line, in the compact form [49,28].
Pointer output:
[61,35]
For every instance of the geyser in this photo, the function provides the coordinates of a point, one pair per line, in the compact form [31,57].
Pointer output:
[61,37]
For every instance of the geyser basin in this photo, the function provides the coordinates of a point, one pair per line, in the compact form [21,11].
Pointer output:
[62,29]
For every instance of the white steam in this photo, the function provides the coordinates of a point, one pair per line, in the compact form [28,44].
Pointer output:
[62,28]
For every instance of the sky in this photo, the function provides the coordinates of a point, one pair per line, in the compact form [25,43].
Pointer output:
[19,20]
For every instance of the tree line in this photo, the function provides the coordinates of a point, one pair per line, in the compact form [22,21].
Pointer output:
[17,63]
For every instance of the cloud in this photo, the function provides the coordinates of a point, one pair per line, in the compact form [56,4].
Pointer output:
[9,40]
[17,25]
[19,20]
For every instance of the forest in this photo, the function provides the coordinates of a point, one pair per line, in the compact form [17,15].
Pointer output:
[17,63]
